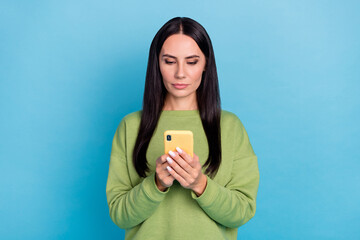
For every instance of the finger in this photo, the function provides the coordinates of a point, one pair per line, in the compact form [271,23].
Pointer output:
[167,180]
[166,172]
[161,159]
[169,177]
[191,161]
[179,178]
[179,169]
[162,169]
[183,163]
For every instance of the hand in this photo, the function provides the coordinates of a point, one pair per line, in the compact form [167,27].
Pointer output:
[163,178]
[187,171]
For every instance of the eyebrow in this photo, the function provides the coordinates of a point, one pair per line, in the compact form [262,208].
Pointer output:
[168,55]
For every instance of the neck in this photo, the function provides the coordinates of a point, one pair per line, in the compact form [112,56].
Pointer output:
[188,103]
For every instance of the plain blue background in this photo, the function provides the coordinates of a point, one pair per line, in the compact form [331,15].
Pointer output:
[70,70]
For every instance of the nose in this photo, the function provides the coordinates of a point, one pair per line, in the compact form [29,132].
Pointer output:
[180,73]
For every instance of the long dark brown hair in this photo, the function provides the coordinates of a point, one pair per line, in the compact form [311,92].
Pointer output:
[207,94]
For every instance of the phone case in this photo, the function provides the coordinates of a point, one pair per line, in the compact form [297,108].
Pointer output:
[179,138]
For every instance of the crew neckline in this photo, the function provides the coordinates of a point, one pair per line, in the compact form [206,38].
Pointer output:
[180,113]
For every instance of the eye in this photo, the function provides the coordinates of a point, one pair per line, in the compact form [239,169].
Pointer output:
[168,62]
[192,63]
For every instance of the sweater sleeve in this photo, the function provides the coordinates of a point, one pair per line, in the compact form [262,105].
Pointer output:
[128,205]
[234,204]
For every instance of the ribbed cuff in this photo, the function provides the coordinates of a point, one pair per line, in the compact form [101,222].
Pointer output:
[209,194]
[151,190]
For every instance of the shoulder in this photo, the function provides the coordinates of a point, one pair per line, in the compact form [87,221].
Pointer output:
[230,118]
[231,124]
[132,117]
[228,115]
[130,120]
[233,132]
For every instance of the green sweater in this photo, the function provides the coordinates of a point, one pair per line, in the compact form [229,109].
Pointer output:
[145,212]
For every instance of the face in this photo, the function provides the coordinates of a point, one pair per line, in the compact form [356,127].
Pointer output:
[181,65]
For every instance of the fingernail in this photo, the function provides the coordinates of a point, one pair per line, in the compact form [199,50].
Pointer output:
[168,168]
[172,153]
[169,160]
[179,150]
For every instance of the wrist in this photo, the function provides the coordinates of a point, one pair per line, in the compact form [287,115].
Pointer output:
[158,184]
[200,188]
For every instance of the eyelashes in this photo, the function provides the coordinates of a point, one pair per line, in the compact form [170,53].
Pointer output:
[170,62]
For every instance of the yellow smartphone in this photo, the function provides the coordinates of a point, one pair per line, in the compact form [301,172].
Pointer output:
[183,139]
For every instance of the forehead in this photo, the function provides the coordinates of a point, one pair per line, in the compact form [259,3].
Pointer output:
[180,45]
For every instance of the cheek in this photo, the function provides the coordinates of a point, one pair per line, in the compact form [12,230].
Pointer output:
[196,75]
[166,73]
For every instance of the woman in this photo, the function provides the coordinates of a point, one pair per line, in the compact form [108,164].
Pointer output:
[153,195]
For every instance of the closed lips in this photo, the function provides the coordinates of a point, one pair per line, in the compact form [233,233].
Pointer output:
[180,86]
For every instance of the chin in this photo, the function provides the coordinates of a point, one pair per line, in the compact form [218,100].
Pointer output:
[180,94]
